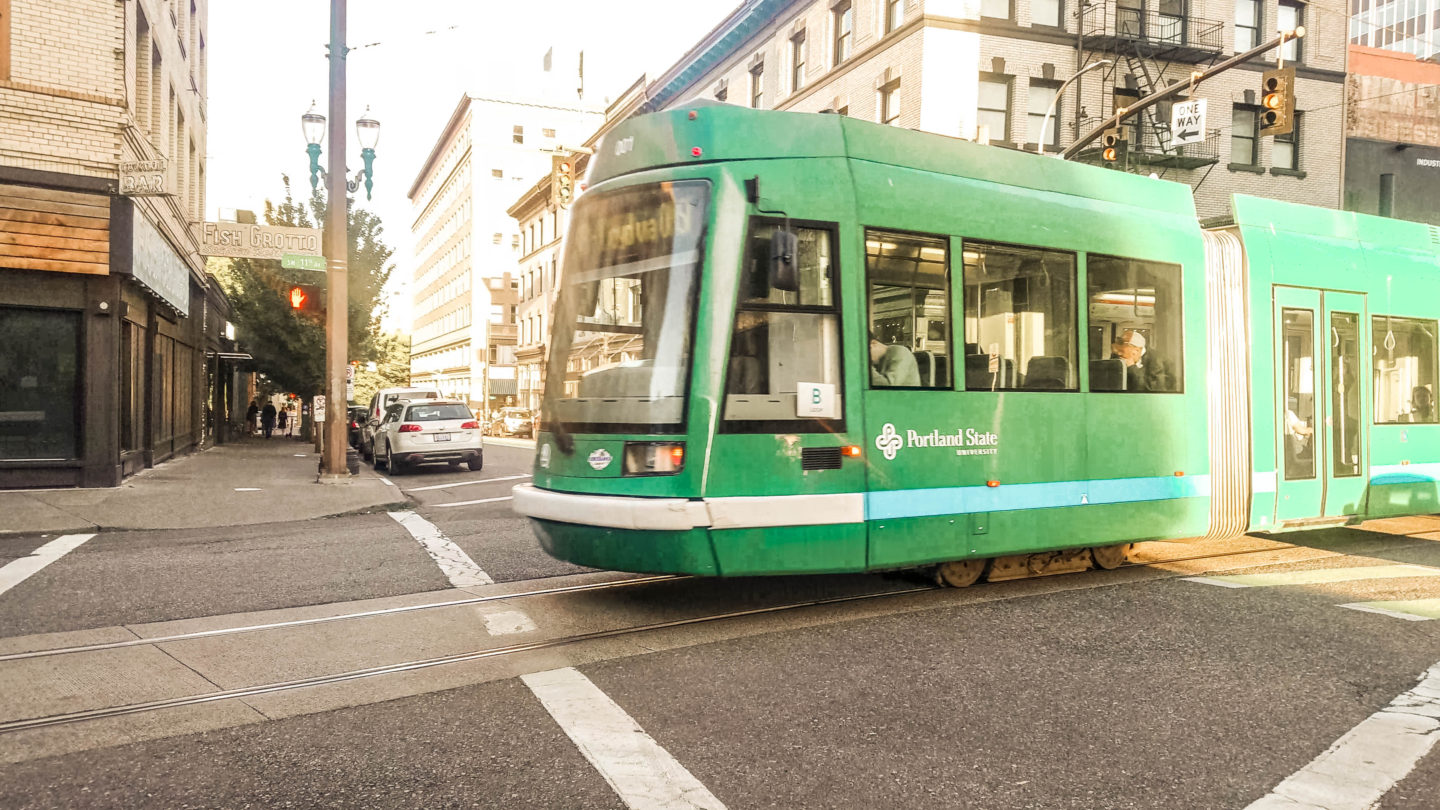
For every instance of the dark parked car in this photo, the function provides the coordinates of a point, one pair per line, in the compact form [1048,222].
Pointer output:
[355,417]
[512,422]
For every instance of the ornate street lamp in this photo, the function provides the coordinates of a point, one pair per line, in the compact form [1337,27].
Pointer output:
[367,131]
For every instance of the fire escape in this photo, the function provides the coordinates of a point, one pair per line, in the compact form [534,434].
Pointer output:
[1152,43]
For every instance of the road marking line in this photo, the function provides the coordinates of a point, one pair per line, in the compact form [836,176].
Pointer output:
[1415,610]
[454,562]
[248,489]
[470,503]
[1362,766]
[468,483]
[1319,576]
[387,481]
[507,622]
[642,773]
[17,571]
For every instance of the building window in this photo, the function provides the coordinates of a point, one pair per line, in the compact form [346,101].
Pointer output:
[498,237]
[1404,369]
[797,61]
[1047,12]
[519,136]
[757,85]
[1285,152]
[999,9]
[40,350]
[908,277]
[894,14]
[843,14]
[549,133]
[1247,24]
[1291,17]
[1041,94]
[992,115]
[890,102]
[722,90]
[1243,136]
[497,173]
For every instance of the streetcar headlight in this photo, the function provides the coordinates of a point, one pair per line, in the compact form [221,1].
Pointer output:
[654,458]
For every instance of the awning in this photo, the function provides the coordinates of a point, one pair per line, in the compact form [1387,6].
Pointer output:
[230,355]
[502,388]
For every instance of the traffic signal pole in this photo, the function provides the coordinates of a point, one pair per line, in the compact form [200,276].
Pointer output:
[1175,89]
[337,329]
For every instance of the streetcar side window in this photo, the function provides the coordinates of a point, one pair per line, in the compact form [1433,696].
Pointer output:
[1019,319]
[909,283]
[785,341]
[1404,351]
[1135,325]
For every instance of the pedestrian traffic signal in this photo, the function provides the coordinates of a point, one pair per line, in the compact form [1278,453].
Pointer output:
[562,180]
[1277,101]
[306,298]
[1114,147]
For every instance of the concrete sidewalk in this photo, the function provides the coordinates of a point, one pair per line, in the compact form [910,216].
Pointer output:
[248,482]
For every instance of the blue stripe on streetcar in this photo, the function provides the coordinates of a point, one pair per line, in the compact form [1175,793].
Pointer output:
[1010,497]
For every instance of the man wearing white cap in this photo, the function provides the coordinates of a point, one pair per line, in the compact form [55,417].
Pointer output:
[1141,374]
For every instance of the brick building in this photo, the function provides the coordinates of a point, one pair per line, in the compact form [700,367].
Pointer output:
[106,317]
[988,69]
[1392,135]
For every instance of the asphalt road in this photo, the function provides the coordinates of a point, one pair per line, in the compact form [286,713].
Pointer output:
[1139,688]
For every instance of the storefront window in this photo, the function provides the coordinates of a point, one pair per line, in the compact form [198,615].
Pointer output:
[39,384]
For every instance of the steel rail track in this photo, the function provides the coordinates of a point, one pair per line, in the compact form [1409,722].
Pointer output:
[254,628]
[14,726]
[426,663]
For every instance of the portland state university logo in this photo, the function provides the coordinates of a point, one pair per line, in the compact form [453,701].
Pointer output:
[889,442]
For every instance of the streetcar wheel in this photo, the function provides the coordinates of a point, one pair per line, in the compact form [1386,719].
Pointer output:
[959,573]
[1110,557]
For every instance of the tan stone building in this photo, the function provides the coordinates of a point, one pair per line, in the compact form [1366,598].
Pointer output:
[466,283]
[988,70]
[106,316]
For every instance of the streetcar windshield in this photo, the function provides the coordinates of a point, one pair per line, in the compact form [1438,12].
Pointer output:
[620,355]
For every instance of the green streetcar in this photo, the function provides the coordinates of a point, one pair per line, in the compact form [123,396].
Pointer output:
[803,343]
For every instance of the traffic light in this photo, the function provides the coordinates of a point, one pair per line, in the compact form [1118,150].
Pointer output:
[306,298]
[1277,101]
[562,180]
[1114,147]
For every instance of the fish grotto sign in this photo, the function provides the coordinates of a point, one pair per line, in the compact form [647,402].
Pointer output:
[239,240]
[965,442]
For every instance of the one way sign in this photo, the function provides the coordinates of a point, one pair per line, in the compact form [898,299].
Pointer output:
[1187,122]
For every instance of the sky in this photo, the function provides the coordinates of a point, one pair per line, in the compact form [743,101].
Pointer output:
[267,64]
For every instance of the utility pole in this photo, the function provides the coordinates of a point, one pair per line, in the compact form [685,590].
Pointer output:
[337,328]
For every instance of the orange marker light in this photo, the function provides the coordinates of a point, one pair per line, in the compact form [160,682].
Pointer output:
[677,455]
[852,450]
[696,152]
[992,483]
[1179,473]
[694,114]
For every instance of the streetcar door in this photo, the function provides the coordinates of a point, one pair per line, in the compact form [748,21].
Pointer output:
[1299,481]
[1346,408]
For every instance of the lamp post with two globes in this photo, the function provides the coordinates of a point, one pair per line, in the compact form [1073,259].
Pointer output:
[333,468]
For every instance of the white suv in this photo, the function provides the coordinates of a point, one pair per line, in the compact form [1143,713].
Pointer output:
[428,431]
[379,404]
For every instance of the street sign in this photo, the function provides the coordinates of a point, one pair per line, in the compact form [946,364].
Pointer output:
[145,178]
[239,240]
[296,261]
[350,382]
[1187,122]
[319,407]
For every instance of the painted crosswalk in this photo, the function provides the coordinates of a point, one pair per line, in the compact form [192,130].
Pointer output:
[1418,610]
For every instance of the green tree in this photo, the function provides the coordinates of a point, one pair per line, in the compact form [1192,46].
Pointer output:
[392,370]
[289,346]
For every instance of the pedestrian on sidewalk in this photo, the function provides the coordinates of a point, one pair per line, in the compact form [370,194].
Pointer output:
[284,420]
[251,414]
[267,418]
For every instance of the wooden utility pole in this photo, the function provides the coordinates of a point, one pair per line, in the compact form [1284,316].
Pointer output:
[337,243]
